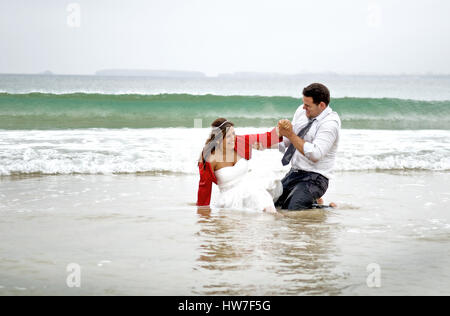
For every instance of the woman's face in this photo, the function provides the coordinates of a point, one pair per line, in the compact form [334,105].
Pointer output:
[229,140]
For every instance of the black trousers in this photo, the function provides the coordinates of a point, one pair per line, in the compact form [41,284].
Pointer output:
[301,189]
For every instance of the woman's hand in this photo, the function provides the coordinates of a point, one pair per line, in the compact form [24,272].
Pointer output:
[258,146]
[205,210]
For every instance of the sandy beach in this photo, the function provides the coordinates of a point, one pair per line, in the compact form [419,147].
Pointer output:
[129,239]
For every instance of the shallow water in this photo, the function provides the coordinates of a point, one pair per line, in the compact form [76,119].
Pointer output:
[141,234]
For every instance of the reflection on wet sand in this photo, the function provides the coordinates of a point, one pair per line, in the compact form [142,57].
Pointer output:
[259,254]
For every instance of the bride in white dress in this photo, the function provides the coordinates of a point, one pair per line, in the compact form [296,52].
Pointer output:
[244,190]
[239,188]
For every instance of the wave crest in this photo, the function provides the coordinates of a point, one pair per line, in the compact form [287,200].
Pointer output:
[81,110]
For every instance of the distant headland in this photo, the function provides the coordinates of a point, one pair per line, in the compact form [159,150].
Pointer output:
[150,73]
[46,73]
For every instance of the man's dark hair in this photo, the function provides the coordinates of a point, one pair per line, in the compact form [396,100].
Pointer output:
[318,92]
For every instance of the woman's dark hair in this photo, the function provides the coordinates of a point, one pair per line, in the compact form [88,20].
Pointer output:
[318,92]
[219,131]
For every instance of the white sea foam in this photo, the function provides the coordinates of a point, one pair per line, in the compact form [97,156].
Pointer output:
[108,151]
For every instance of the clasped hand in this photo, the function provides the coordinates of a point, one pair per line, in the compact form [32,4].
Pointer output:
[285,128]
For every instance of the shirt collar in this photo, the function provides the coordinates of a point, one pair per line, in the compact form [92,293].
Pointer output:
[324,113]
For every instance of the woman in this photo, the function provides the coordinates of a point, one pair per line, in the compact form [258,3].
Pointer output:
[224,162]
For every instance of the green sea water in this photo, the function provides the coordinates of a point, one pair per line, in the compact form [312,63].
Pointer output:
[84,110]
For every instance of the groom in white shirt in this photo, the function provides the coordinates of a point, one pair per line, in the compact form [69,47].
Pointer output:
[309,145]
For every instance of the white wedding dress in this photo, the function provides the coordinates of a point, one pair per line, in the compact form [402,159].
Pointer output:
[244,190]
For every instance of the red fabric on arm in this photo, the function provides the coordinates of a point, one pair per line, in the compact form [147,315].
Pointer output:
[243,144]
[207,178]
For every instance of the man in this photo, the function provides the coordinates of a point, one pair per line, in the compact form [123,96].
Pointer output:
[310,145]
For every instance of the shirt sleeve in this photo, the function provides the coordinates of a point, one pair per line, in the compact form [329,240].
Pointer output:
[324,140]
[204,186]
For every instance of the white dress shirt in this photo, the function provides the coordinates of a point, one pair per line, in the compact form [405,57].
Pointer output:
[321,142]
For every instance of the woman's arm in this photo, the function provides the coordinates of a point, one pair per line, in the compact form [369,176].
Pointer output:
[265,140]
[245,143]
[260,146]
[204,186]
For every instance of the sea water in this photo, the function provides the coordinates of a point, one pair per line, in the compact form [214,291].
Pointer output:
[101,172]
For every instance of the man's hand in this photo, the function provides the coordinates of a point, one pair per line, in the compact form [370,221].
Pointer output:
[284,124]
[286,129]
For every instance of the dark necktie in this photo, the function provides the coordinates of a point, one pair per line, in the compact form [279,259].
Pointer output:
[291,150]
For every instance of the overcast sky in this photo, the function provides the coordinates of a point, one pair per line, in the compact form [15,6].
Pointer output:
[221,36]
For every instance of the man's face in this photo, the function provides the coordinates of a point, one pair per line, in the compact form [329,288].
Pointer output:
[312,110]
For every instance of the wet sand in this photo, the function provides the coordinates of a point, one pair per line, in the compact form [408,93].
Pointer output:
[141,234]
